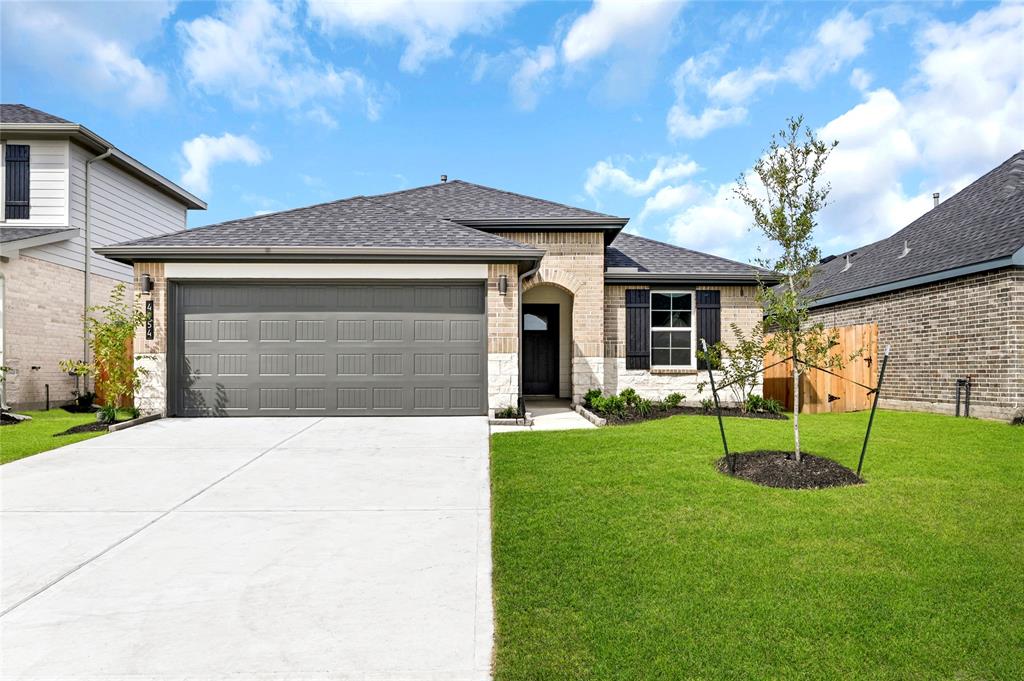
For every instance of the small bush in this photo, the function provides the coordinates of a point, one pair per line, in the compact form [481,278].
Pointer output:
[758,404]
[591,395]
[507,413]
[1018,417]
[643,406]
[614,405]
[107,414]
[630,397]
[707,404]
[673,400]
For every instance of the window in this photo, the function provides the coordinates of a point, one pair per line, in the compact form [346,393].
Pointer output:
[672,329]
[535,322]
[16,186]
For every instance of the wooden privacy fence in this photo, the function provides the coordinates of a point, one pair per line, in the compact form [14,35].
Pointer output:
[127,400]
[823,392]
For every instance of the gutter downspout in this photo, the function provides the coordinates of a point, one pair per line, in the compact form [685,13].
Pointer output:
[519,355]
[88,258]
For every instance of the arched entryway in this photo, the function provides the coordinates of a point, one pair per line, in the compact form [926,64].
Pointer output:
[547,341]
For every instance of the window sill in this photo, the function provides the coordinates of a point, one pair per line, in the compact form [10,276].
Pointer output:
[679,371]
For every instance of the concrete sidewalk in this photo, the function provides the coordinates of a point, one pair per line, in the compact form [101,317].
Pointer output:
[256,548]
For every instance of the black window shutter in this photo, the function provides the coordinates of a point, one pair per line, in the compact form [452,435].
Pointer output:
[638,328]
[709,320]
[16,190]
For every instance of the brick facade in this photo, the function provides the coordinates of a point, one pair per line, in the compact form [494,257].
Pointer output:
[739,306]
[43,306]
[574,261]
[502,337]
[968,326]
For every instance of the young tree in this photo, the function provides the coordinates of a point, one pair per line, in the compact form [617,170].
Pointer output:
[785,209]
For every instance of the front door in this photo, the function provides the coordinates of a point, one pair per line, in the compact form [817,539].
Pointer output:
[540,349]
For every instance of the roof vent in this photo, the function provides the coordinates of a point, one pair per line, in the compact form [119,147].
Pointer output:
[935,198]
[444,178]
[827,258]
[906,249]
[849,261]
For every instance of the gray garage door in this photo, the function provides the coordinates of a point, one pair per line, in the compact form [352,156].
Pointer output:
[316,349]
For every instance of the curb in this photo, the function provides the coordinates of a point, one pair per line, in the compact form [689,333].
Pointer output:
[134,422]
[589,415]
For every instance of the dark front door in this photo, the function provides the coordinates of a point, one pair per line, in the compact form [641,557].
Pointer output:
[540,349]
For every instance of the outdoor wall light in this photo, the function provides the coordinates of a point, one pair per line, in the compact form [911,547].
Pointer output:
[503,284]
[146,283]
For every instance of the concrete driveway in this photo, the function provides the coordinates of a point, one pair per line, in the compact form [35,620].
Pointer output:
[251,548]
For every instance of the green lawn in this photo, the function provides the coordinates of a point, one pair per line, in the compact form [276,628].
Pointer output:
[620,553]
[26,439]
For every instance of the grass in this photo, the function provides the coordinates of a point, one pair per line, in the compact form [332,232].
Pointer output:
[35,436]
[620,553]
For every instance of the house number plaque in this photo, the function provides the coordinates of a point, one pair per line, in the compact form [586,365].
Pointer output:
[149,320]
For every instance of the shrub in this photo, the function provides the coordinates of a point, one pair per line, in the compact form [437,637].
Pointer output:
[644,406]
[1018,418]
[629,396]
[707,404]
[591,395]
[673,400]
[107,413]
[609,405]
[507,413]
[756,403]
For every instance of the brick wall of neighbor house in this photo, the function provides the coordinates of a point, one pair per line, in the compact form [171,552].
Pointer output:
[939,332]
[575,261]
[43,306]
[502,338]
[151,355]
[739,306]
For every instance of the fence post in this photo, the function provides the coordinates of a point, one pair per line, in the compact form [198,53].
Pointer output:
[874,405]
[718,409]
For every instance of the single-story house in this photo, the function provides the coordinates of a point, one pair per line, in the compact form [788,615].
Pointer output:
[64,190]
[452,298]
[947,293]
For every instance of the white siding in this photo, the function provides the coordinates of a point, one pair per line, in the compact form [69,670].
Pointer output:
[122,208]
[48,183]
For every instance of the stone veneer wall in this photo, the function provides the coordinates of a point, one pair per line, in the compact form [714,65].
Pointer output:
[575,261]
[972,325]
[739,306]
[151,355]
[43,305]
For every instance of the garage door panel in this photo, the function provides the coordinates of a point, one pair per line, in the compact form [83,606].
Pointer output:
[292,349]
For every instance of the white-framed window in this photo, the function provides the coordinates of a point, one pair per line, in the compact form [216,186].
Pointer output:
[672,329]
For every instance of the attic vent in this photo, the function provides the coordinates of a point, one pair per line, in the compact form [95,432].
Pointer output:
[444,178]
[935,198]
[849,261]
[827,258]
[906,249]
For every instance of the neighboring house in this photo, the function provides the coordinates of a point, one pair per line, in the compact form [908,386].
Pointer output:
[409,303]
[947,293]
[65,190]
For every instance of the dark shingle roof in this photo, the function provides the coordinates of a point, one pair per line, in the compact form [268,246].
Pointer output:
[19,113]
[464,201]
[656,257]
[359,222]
[982,222]
[11,234]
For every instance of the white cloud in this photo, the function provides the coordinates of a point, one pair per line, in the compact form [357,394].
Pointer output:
[670,198]
[252,53]
[837,41]
[532,76]
[959,115]
[860,79]
[429,27]
[93,49]
[204,152]
[615,24]
[605,175]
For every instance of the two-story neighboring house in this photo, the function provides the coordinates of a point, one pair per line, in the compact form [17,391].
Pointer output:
[452,298]
[65,190]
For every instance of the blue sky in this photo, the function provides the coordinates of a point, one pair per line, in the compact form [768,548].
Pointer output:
[646,109]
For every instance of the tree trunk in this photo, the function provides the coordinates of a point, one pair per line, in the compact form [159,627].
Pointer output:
[796,404]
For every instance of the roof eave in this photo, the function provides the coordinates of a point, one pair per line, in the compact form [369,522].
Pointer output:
[88,138]
[131,254]
[687,278]
[10,249]
[1015,260]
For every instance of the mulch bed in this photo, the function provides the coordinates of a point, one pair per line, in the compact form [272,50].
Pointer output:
[8,420]
[780,469]
[632,417]
[75,408]
[84,428]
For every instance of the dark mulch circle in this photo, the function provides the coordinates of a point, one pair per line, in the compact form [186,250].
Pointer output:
[633,417]
[780,469]
[75,408]
[8,420]
[84,428]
